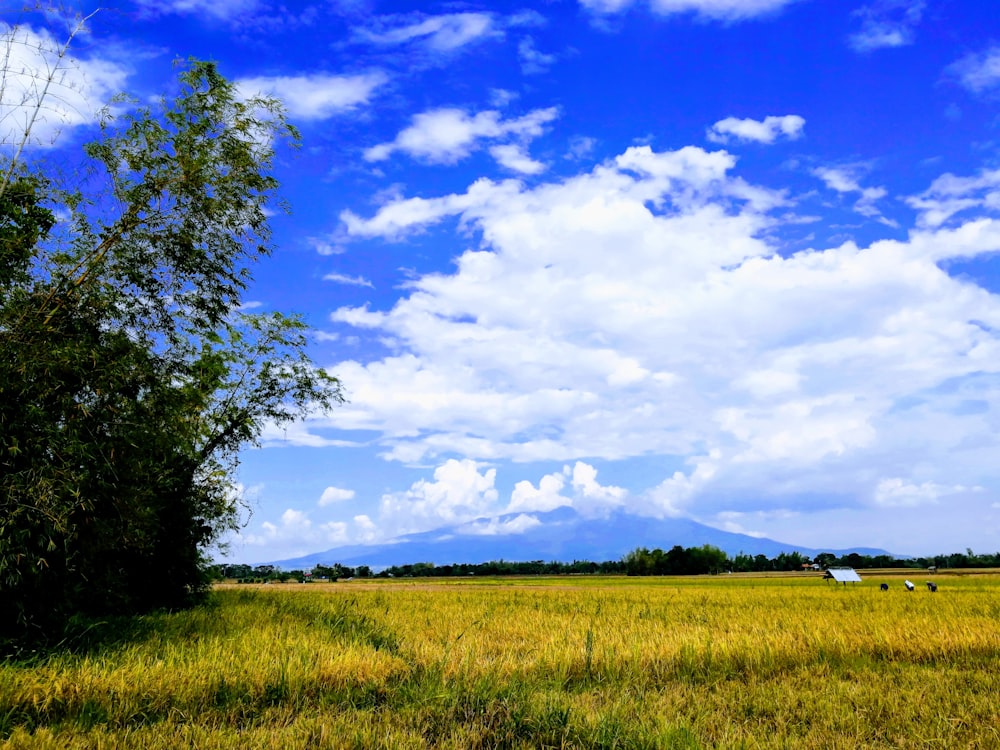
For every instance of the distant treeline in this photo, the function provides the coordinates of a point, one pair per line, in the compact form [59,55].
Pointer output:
[708,559]
[641,561]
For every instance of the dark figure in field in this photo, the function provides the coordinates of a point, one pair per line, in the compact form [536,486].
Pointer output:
[931,586]
[884,587]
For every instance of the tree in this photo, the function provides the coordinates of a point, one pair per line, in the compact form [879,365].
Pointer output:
[129,378]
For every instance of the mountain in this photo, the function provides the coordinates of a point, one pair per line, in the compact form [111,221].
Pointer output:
[559,535]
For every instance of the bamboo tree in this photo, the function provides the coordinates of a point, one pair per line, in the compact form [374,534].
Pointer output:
[129,380]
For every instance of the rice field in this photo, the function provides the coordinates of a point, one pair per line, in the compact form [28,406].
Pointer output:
[727,661]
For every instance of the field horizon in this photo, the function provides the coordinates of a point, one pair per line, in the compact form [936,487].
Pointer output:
[731,661]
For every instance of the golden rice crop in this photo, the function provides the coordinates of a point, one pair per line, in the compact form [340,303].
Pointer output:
[564,662]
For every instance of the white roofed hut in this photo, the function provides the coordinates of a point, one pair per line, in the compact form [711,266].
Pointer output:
[842,575]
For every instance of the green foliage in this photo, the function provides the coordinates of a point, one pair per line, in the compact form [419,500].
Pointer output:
[677,561]
[129,380]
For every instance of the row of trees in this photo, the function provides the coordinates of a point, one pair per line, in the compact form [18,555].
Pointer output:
[503,568]
[271,574]
[678,560]
[709,559]
[130,378]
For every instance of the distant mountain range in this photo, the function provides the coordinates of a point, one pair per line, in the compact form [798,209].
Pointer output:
[559,535]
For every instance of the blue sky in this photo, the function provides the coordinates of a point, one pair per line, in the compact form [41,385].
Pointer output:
[732,260]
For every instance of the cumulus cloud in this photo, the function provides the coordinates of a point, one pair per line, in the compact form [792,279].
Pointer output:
[442,34]
[77,87]
[639,309]
[887,23]
[978,71]
[318,96]
[294,534]
[761,131]
[721,10]
[447,135]
[459,493]
[585,493]
[461,496]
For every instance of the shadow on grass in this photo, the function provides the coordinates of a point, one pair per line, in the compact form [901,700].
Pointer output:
[86,635]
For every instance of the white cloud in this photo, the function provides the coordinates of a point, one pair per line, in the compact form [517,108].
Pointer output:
[341,278]
[514,157]
[949,195]
[79,86]
[298,434]
[672,497]
[978,71]
[216,9]
[335,495]
[458,494]
[533,62]
[586,494]
[638,310]
[761,131]
[887,23]
[547,496]
[502,97]
[581,147]
[462,495]
[591,496]
[724,10]
[844,179]
[442,34]
[330,245]
[447,135]
[898,493]
[496,527]
[293,534]
[318,96]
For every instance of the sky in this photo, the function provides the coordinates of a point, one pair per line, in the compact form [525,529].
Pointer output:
[729,260]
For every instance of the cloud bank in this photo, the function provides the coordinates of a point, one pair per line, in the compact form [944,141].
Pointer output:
[640,310]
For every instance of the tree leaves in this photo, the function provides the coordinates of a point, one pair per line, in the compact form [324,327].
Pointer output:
[128,380]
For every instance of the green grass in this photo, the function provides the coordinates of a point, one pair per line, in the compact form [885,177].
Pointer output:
[560,662]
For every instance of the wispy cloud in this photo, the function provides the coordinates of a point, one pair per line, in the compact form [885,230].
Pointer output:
[514,157]
[317,96]
[721,10]
[441,34]
[845,179]
[887,23]
[533,62]
[898,493]
[349,280]
[216,9]
[978,71]
[950,194]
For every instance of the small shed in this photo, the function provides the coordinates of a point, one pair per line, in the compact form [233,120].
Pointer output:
[842,575]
